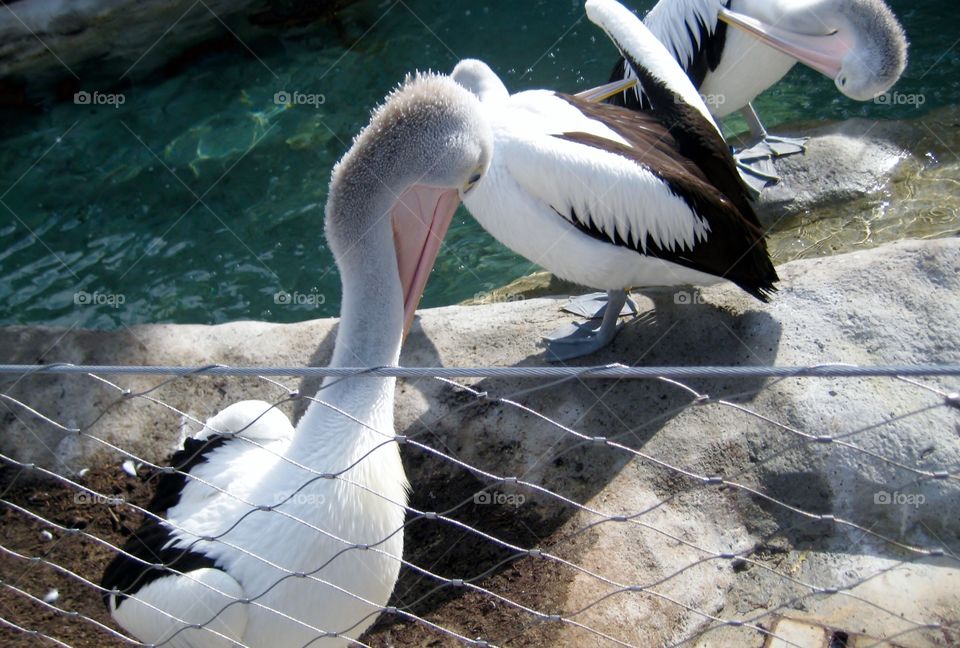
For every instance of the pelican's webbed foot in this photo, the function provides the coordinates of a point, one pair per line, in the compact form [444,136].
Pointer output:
[756,163]
[782,146]
[594,305]
[577,340]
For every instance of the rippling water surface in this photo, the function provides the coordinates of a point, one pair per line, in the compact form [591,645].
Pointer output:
[200,199]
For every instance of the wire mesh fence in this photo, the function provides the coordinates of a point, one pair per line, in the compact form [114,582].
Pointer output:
[814,506]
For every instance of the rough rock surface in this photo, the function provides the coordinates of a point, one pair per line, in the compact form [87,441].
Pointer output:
[892,305]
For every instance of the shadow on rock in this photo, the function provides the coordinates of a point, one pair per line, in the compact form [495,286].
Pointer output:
[545,432]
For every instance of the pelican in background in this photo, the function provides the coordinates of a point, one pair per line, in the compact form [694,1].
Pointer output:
[859,44]
[265,550]
[614,198]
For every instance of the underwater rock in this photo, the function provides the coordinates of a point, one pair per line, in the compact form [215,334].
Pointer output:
[842,162]
[858,158]
[52,43]
[865,182]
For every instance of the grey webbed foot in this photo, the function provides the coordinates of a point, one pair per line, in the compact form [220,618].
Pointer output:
[756,163]
[577,340]
[781,146]
[594,306]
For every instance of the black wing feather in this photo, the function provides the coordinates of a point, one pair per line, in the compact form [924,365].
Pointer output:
[689,156]
[707,50]
[150,543]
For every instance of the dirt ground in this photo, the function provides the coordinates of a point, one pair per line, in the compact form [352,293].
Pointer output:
[443,548]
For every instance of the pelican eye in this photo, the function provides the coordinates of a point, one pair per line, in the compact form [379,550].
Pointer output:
[472,181]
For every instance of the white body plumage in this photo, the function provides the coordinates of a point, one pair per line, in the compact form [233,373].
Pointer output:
[258,550]
[747,66]
[272,536]
[857,43]
[536,179]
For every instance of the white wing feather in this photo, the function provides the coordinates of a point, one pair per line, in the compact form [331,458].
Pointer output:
[200,597]
[616,194]
[262,432]
[673,23]
[634,38]
[253,419]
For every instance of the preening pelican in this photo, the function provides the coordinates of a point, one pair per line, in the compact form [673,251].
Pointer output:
[857,43]
[280,535]
[614,198]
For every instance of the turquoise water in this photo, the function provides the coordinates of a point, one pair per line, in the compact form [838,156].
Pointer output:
[199,199]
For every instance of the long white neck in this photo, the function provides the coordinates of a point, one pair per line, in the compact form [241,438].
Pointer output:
[477,77]
[430,132]
[644,52]
[369,335]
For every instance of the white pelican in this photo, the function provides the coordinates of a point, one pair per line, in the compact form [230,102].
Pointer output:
[391,199]
[857,43]
[614,198]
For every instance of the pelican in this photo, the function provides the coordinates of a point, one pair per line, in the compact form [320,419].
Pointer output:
[287,536]
[614,198]
[857,43]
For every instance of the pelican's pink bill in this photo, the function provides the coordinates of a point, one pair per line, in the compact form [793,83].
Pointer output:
[420,220]
[824,53]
